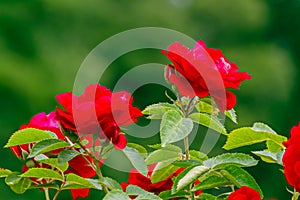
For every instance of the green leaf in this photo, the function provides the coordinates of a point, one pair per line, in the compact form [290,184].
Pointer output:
[133,190]
[204,107]
[170,152]
[186,163]
[13,178]
[273,147]
[110,183]
[205,196]
[139,148]
[74,181]
[4,172]
[208,121]
[21,187]
[116,194]
[213,181]
[238,159]
[231,115]
[261,127]
[188,176]
[67,155]
[156,111]
[174,127]
[170,147]
[17,184]
[252,135]
[26,136]
[136,160]
[42,173]
[240,177]
[270,157]
[168,195]
[54,163]
[46,146]
[162,171]
[197,155]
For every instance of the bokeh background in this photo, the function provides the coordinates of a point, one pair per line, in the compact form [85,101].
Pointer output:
[43,43]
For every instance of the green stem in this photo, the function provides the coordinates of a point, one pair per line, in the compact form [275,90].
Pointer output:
[295,195]
[186,148]
[58,192]
[47,193]
[97,167]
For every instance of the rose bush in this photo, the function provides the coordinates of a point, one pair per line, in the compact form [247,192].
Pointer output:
[66,149]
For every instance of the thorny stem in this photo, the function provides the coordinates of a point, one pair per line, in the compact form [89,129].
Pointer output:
[47,193]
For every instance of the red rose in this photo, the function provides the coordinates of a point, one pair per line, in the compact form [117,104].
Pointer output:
[98,111]
[244,193]
[203,71]
[40,121]
[291,158]
[144,182]
[77,165]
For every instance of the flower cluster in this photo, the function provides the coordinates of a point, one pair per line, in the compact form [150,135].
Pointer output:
[66,149]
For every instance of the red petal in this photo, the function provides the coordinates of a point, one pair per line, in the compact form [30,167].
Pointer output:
[121,142]
[79,193]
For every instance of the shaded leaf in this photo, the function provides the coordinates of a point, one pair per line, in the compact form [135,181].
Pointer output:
[174,127]
[168,194]
[110,183]
[197,155]
[169,152]
[206,196]
[116,194]
[133,190]
[213,181]
[240,177]
[186,163]
[162,171]
[46,146]
[67,155]
[188,176]
[139,148]
[136,160]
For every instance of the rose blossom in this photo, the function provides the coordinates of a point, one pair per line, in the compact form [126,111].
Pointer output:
[77,165]
[194,75]
[144,182]
[244,193]
[291,158]
[98,111]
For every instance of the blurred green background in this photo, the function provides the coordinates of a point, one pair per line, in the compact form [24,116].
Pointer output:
[42,44]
